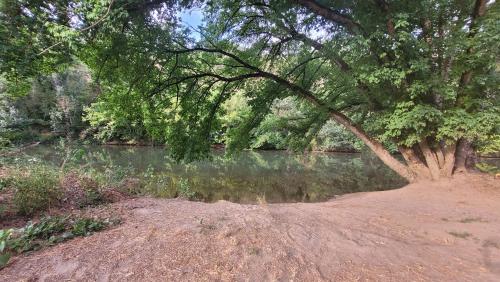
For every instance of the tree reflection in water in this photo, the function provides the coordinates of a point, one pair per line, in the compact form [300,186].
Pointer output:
[250,177]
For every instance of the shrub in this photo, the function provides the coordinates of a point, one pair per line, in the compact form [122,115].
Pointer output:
[184,190]
[80,191]
[36,190]
[109,175]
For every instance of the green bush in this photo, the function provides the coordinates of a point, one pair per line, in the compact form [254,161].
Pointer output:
[184,190]
[36,190]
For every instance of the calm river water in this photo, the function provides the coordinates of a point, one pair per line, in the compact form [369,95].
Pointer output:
[251,177]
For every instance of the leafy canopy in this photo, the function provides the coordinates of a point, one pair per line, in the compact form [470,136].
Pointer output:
[400,71]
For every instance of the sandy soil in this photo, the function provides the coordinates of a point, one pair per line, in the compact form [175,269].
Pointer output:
[426,232]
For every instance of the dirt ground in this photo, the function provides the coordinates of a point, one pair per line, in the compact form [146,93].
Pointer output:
[439,231]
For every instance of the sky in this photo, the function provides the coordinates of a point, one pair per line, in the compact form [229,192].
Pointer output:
[192,18]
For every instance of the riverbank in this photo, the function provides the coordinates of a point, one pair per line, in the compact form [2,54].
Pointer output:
[427,231]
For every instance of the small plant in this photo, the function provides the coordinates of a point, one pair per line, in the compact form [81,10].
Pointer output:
[109,175]
[36,190]
[48,231]
[159,185]
[184,189]
[86,226]
[4,183]
[92,198]
[4,254]
[34,235]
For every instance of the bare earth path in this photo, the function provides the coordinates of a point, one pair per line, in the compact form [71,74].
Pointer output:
[425,232]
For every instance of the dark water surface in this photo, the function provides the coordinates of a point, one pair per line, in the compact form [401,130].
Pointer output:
[251,177]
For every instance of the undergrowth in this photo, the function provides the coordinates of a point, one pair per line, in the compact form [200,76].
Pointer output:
[35,190]
[48,231]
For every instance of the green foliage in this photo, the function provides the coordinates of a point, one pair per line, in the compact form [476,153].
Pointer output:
[86,226]
[333,137]
[5,182]
[487,168]
[157,184]
[403,71]
[109,175]
[402,123]
[54,103]
[184,190]
[36,190]
[49,231]
[39,185]
[34,235]
[489,144]
[4,239]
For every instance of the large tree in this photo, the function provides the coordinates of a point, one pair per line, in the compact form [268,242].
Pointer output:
[421,75]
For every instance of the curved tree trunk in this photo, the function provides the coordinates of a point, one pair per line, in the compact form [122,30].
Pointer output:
[379,150]
[423,162]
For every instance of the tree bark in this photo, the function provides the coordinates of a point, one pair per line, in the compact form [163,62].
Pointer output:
[462,151]
[415,163]
[449,160]
[440,157]
[430,159]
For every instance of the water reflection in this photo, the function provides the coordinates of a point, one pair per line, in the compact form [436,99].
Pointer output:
[253,176]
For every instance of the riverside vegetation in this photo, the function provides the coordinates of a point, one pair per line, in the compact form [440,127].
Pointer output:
[30,188]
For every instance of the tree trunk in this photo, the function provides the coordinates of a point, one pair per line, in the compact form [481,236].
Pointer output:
[379,150]
[415,163]
[440,157]
[462,151]
[430,159]
[449,160]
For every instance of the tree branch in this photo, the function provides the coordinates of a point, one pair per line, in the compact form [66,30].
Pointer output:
[331,15]
[479,11]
